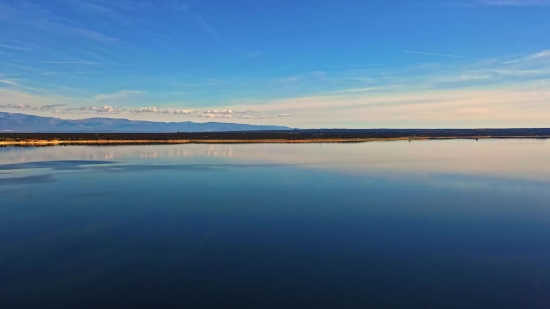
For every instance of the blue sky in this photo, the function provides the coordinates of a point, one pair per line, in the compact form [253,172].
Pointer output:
[302,63]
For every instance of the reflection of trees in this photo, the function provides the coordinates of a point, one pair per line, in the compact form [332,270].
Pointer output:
[511,158]
[12,154]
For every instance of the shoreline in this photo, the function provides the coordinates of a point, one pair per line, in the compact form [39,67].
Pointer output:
[36,142]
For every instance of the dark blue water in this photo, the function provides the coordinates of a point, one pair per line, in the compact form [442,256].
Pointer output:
[276,226]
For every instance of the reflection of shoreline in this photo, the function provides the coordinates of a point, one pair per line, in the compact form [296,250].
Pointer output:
[27,153]
[520,158]
[236,141]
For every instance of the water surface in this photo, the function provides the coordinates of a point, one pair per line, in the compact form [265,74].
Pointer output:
[428,224]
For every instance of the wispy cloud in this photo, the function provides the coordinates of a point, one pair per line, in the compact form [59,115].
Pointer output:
[253,117]
[494,92]
[70,62]
[19,106]
[215,112]
[63,62]
[515,2]
[14,47]
[51,107]
[505,91]
[464,77]
[34,16]
[542,54]
[434,54]
[197,18]
[145,110]
[156,110]
[221,112]
[229,111]
[255,54]
[87,6]
[9,82]
[27,107]
[289,80]
[119,95]
[216,116]
[368,89]
[355,65]
[248,111]
[106,109]
[218,81]
[179,111]
[79,73]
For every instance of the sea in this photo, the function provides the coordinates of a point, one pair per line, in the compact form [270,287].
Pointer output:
[390,224]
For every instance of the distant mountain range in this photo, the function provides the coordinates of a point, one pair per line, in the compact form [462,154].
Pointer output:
[12,122]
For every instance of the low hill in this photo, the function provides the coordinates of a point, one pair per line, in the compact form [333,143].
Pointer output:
[22,123]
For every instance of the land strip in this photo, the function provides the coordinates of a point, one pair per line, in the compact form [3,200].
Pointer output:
[294,136]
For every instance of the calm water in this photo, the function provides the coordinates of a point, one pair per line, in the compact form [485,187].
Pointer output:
[433,224]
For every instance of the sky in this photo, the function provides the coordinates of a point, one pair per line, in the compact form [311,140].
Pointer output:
[300,63]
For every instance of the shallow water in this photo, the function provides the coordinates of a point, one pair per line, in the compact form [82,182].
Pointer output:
[427,224]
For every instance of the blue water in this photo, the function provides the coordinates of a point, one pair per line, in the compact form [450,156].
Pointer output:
[439,224]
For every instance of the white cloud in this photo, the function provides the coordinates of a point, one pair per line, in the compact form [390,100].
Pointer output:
[145,110]
[106,109]
[248,111]
[16,106]
[156,110]
[216,116]
[9,82]
[518,73]
[285,115]
[22,107]
[252,117]
[222,112]
[465,77]
[227,113]
[179,111]
[118,95]
[542,54]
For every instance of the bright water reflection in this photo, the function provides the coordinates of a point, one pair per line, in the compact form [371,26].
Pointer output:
[433,224]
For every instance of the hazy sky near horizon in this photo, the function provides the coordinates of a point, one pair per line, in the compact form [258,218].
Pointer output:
[301,63]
